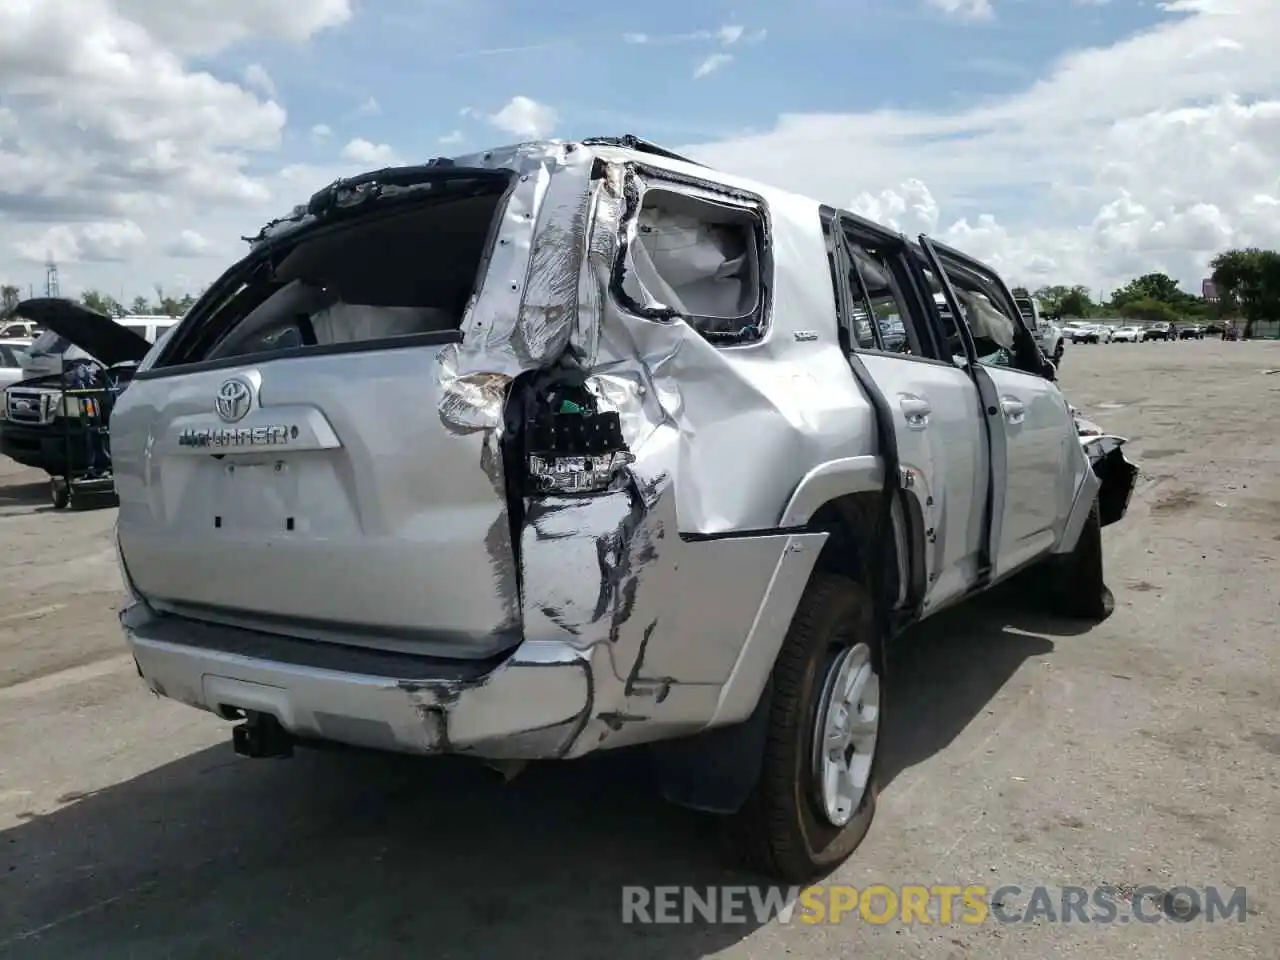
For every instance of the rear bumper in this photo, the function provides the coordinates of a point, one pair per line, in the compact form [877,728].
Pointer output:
[548,698]
[531,705]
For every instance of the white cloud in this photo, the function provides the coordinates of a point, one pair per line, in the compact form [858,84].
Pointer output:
[108,135]
[188,243]
[726,35]
[102,242]
[361,150]
[711,64]
[257,78]
[453,138]
[730,33]
[523,117]
[1150,154]
[321,132]
[370,108]
[965,9]
[202,27]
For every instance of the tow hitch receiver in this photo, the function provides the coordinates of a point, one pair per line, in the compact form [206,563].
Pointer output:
[261,736]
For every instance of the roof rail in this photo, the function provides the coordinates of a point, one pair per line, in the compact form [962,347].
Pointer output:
[630,141]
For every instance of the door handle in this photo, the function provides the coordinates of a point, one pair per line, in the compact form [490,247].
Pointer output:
[915,409]
[1014,411]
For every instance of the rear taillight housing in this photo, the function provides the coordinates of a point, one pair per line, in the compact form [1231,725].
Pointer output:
[572,447]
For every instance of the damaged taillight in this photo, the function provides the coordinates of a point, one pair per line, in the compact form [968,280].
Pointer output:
[573,447]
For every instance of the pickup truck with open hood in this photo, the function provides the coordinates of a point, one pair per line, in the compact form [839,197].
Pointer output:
[572,446]
[38,424]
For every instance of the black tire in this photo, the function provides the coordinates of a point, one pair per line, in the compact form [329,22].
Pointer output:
[781,831]
[1057,354]
[1079,590]
[59,493]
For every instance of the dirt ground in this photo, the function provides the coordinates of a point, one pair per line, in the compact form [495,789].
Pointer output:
[1143,751]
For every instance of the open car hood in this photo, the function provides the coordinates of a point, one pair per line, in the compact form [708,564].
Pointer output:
[97,335]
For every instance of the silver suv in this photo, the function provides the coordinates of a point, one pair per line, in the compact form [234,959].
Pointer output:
[566,447]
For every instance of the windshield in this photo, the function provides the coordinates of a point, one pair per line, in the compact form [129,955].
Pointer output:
[49,342]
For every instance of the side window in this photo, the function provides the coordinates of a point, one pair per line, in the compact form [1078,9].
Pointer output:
[998,338]
[140,331]
[701,261]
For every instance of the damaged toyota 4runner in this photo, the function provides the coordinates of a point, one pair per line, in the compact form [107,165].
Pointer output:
[567,447]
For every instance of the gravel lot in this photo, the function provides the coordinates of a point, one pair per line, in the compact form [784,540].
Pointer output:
[1144,751]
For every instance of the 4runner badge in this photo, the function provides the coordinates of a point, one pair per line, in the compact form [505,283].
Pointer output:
[276,435]
[233,400]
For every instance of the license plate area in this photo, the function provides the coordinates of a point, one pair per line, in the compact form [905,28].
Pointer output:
[256,496]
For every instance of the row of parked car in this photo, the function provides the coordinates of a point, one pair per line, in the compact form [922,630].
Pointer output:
[1080,331]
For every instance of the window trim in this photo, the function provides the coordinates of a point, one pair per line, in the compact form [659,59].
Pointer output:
[1027,357]
[896,252]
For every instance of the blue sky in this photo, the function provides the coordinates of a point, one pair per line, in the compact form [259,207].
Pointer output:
[1064,141]
[422,63]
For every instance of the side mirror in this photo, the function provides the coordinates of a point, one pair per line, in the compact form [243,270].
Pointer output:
[1048,369]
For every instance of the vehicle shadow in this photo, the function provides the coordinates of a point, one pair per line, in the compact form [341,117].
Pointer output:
[944,672]
[22,494]
[351,855]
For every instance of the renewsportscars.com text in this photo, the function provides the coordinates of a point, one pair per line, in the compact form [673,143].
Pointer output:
[939,904]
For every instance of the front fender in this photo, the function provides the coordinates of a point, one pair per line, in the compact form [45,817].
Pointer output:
[1117,474]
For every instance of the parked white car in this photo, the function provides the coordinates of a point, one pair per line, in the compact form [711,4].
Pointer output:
[1127,335]
[1078,331]
[13,354]
[19,330]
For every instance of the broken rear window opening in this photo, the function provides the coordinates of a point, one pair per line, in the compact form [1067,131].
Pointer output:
[400,268]
[699,260]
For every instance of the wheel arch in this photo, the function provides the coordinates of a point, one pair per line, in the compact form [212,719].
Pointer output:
[853,520]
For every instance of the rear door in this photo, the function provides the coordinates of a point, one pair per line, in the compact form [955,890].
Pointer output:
[1034,436]
[293,460]
[933,406]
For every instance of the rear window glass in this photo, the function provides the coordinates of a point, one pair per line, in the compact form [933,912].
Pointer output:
[396,272]
[134,328]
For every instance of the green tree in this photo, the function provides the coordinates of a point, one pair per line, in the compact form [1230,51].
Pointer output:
[1021,292]
[1250,280]
[1076,302]
[1148,310]
[1066,301]
[1151,286]
[101,303]
[167,304]
[10,297]
[140,305]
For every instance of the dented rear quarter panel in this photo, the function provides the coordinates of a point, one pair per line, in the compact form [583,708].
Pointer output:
[680,574]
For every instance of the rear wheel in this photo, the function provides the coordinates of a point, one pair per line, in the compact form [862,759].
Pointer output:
[816,794]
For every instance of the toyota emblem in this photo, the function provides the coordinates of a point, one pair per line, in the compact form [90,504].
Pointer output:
[233,400]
